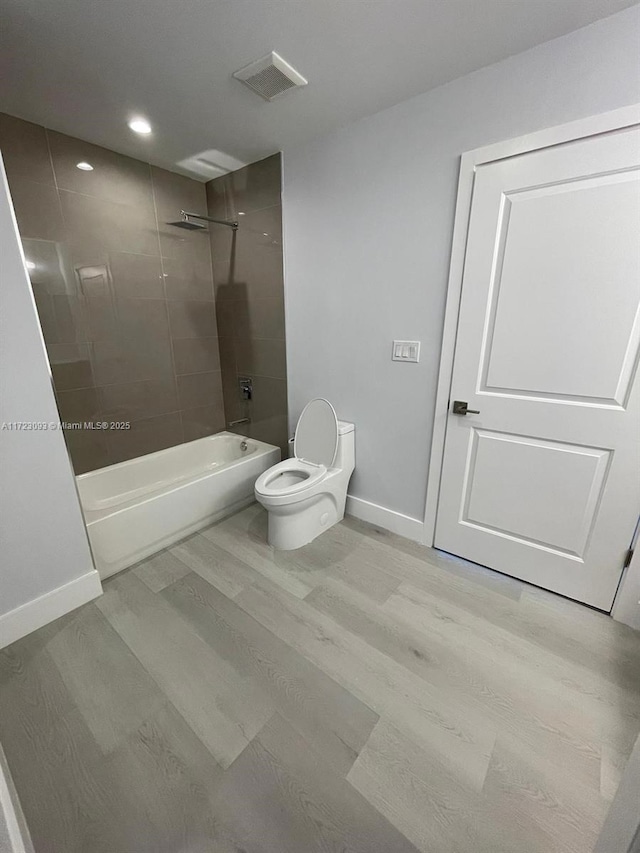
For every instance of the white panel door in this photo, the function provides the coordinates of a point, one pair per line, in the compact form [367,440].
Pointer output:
[544,483]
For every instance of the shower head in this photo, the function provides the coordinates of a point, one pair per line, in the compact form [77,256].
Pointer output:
[189,225]
[187,222]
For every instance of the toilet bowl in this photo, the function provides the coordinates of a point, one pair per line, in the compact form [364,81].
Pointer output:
[305,495]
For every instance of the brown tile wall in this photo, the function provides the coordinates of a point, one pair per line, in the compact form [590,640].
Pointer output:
[247,271]
[126,302]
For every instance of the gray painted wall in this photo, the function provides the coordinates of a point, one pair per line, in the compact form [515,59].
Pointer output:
[42,534]
[368,218]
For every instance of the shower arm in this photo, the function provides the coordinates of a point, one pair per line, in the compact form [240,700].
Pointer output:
[186,215]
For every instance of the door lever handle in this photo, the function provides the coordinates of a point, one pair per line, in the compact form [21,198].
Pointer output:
[460,407]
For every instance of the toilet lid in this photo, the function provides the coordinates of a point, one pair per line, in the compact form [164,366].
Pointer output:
[317,433]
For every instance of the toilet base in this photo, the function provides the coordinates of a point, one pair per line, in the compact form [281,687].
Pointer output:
[293,526]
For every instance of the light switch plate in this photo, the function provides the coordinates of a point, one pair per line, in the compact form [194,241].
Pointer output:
[405,351]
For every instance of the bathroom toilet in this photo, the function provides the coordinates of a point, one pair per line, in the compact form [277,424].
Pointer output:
[305,495]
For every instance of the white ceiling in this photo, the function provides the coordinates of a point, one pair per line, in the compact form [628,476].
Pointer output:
[84,66]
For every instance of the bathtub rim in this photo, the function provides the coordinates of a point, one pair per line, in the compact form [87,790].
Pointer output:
[92,515]
[155,453]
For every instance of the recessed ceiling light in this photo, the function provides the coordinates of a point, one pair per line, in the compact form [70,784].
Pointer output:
[241,213]
[86,167]
[140,125]
[30,265]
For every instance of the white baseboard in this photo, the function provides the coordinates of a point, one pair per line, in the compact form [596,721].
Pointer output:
[388,519]
[14,832]
[34,614]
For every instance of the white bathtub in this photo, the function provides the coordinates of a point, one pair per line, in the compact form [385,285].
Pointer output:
[138,507]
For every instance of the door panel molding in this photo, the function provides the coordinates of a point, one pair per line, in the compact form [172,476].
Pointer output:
[574,532]
[505,338]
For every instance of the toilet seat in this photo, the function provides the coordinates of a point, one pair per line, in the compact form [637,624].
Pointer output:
[315,447]
[267,483]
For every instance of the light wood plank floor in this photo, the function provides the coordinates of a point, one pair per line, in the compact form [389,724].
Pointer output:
[360,695]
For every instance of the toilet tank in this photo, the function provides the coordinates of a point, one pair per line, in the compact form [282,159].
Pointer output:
[346,455]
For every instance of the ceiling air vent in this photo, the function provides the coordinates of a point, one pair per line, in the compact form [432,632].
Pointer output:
[270,76]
